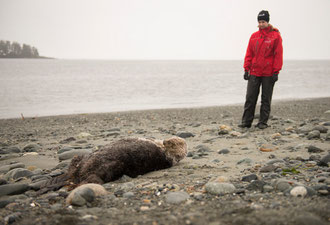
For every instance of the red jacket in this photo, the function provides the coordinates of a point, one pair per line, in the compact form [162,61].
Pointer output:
[264,55]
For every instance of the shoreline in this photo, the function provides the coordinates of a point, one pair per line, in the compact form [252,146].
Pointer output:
[274,102]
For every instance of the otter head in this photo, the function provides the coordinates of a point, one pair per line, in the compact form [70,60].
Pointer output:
[175,148]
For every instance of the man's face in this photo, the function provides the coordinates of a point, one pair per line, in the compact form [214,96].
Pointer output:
[262,24]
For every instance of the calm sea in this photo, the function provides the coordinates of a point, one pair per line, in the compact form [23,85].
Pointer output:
[43,87]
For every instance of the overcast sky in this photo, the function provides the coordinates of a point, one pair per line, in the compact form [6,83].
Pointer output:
[163,29]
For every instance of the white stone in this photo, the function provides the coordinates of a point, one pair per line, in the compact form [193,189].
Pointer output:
[298,191]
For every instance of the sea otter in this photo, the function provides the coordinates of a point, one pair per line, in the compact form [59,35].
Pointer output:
[130,156]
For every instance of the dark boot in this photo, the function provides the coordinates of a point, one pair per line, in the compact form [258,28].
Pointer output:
[251,100]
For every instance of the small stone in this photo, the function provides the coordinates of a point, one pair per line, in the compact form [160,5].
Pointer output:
[273,161]
[315,134]
[268,168]
[235,134]
[72,153]
[176,197]
[185,134]
[78,200]
[223,151]
[12,218]
[267,148]
[314,149]
[256,185]
[128,195]
[13,189]
[17,173]
[268,188]
[325,160]
[298,191]
[322,129]
[190,154]
[31,148]
[84,191]
[245,161]
[83,135]
[219,188]
[144,208]
[250,178]
[5,169]
[282,185]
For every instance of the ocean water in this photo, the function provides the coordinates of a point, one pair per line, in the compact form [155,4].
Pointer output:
[41,87]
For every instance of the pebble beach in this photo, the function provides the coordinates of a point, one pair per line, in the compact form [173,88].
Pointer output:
[279,175]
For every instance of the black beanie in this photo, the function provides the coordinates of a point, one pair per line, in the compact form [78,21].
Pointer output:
[263,15]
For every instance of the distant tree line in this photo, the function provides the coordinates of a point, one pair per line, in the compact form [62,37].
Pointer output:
[16,50]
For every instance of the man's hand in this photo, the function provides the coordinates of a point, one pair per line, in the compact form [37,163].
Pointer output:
[246,75]
[275,77]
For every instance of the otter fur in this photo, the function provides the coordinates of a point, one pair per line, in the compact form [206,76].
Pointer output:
[130,156]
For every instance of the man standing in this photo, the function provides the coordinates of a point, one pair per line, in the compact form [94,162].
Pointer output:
[262,64]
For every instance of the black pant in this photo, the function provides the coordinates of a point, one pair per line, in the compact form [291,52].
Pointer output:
[252,94]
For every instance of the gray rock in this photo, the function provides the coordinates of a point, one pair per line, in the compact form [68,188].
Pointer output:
[324,161]
[31,148]
[268,188]
[185,134]
[256,185]
[72,153]
[5,169]
[13,189]
[273,161]
[203,148]
[310,191]
[128,194]
[12,149]
[37,185]
[250,178]
[283,185]
[322,129]
[176,197]
[223,151]
[304,129]
[314,149]
[87,193]
[190,154]
[219,188]
[65,149]
[12,218]
[17,173]
[315,134]
[245,161]
[78,200]
[267,169]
